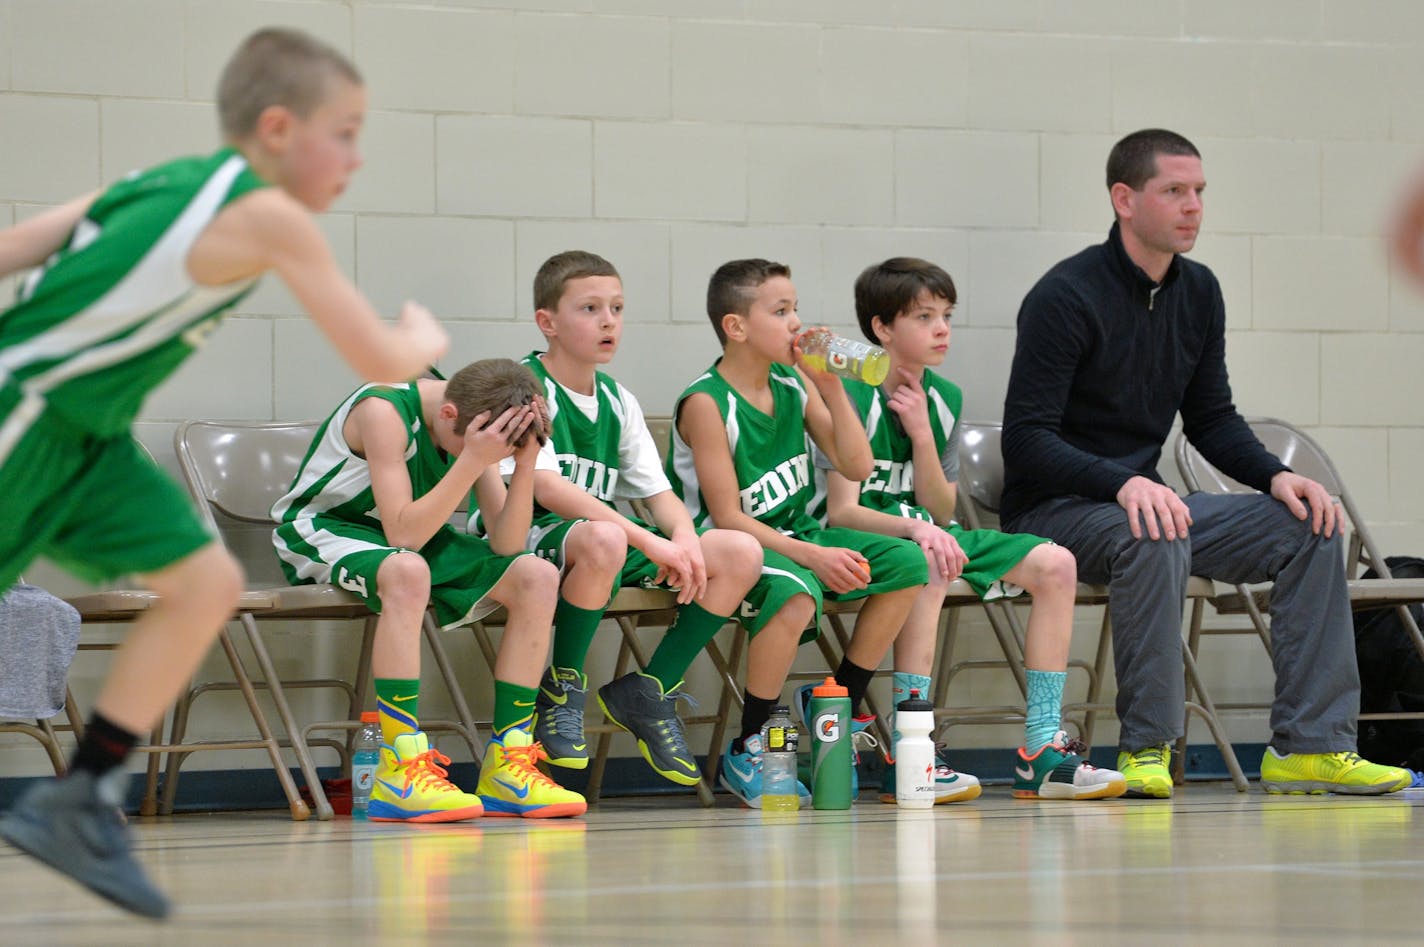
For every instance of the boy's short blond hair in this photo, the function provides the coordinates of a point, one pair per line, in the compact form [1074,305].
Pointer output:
[277,66]
[493,385]
[556,272]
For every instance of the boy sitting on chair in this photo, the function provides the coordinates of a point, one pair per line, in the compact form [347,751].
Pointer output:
[369,511]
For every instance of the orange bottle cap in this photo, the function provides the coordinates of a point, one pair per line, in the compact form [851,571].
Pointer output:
[829,688]
[370,716]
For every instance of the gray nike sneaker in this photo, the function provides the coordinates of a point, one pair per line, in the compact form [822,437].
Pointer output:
[636,703]
[74,825]
[558,717]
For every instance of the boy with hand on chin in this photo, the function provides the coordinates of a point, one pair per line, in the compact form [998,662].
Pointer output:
[600,451]
[912,421]
[740,461]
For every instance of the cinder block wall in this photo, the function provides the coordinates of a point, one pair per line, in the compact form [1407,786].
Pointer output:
[826,133]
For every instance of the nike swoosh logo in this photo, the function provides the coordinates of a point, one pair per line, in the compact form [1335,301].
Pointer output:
[519,791]
[745,774]
[524,703]
[398,793]
[1025,774]
[401,700]
[557,699]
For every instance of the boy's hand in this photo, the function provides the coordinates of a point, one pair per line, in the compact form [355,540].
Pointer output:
[823,379]
[911,406]
[687,541]
[424,334]
[674,568]
[491,442]
[839,570]
[942,551]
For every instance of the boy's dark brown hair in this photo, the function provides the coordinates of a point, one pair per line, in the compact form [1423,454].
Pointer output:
[277,67]
[889,289]
[493,385]
[733,288]
[549,282]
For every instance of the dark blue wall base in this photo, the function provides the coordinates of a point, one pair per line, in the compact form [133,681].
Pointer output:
[226,790]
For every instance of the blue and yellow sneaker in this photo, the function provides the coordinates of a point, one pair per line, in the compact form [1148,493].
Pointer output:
[1057,771]
[511,785]
[410,785]
[558,717]
[1343,772]
[950,786]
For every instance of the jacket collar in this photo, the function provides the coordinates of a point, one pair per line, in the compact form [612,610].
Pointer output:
[1143,286]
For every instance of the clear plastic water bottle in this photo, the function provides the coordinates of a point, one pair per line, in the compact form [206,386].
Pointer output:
[914,753]
[365,754]
[779,740]
[848,358]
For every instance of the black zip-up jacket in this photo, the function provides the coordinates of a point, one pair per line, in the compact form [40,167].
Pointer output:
[1105,359]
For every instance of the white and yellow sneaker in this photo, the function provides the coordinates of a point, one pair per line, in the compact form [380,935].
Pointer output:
[410,786]
[512,786]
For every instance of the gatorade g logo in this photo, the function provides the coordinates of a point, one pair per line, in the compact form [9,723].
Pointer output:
[838,361]
[828,727]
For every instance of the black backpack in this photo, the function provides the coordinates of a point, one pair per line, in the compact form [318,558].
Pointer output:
[1391,676]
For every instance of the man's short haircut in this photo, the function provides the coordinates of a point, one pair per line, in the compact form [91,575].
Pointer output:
[491,384]
[277,67]
[1133,160]
[733,288]
[556,272]
[888,289]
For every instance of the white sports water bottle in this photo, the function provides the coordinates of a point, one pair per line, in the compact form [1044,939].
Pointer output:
[848,358]
[365,755]
[914,753]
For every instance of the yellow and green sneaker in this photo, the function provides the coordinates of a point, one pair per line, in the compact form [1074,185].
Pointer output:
[512,786]
[410,785]
[1342,772]
[1148,771]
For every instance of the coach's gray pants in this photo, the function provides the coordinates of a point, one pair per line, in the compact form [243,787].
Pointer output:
[1233,538]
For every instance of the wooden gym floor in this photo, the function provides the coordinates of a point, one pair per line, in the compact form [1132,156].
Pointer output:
[1210,866]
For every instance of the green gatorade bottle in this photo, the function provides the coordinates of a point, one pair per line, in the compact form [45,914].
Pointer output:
[829,716]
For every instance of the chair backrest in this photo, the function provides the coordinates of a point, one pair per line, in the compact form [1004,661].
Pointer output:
[1301,453]
[661,429]
[237,470]
[981,471]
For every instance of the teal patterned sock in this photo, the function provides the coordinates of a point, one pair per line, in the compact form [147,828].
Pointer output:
[1045,707]
[900,686]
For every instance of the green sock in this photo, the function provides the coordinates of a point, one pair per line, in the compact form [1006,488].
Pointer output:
[398,703]
[688,634]
[513,707]
[1043,715]
[574,629]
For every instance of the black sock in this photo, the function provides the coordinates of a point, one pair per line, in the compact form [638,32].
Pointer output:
[755,712]
[104,747]
[856,680]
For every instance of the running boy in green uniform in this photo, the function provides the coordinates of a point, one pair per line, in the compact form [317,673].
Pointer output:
[739,460]
[129,282]
[369,511]
[912,421]
[600,451]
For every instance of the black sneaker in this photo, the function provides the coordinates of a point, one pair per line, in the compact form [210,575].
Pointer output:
[558,717]
[636,703]
[74,825]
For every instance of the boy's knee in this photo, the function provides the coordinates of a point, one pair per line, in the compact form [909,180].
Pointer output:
[597,545]
[532,580]
[733,553]
[403,581]
[1056,569]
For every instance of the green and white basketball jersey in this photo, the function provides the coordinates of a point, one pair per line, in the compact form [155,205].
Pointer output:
[334,483]
[587,449]
[768,451]
[113,313]
[890,488]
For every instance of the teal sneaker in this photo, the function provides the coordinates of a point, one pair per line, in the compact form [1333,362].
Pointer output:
[1057,771]
[740,773]
[558,717]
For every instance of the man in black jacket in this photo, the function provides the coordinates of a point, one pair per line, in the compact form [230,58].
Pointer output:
[1112,344]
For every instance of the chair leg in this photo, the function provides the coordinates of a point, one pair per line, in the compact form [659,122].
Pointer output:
[300,811]
[452,684]
[1095,682]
